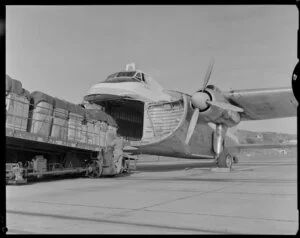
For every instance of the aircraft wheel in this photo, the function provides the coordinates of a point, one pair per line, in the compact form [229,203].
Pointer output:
[95,169]
[225,160]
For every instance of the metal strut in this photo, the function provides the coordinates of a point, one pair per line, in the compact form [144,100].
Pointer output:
[218,139]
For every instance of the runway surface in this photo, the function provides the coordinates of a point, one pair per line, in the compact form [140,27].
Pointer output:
[182,197]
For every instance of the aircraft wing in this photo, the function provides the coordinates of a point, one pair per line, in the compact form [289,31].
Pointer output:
[259,104]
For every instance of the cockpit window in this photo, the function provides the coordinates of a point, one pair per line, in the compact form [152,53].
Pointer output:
[143,77]
[125,76]
[138,76]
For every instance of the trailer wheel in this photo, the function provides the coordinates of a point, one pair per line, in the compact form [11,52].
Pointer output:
[95,169]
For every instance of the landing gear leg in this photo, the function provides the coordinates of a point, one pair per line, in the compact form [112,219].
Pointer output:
[225,160]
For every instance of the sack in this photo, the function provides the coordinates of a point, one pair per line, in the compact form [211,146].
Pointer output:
[38,96]
[59,103]
[95,115]
[76,109]
[60,113]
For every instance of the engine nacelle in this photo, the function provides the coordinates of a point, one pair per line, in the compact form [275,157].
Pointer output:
[215,114]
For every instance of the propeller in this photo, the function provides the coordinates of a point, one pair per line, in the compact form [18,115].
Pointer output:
[207,75]
[201,101]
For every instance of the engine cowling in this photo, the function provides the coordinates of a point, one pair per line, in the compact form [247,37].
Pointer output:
[211,113]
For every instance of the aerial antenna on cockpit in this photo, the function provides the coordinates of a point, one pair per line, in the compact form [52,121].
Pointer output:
[130,67]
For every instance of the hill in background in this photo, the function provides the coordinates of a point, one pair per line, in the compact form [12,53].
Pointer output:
[251,137]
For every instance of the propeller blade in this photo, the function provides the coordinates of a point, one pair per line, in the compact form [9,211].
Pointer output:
[226,106]
[207,75]
[192,125]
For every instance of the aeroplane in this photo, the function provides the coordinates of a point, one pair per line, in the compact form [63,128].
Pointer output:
[163,122]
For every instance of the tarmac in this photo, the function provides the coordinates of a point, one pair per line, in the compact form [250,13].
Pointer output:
[259,196]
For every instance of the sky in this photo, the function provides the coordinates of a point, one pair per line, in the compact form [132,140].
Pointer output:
[64,50]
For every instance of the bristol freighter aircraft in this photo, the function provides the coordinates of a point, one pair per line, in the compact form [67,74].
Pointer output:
[157,121]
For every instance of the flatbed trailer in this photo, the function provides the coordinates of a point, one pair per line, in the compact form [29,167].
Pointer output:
[32,155]
[63,157]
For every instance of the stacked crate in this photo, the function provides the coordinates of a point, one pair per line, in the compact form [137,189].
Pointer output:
[40,121]
[17,105]
[60,119]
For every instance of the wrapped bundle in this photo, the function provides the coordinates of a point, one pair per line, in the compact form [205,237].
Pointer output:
[60,119]
[41,116]
[76,116]
[17,104]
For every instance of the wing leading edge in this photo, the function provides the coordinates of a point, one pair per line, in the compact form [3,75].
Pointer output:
[260,104]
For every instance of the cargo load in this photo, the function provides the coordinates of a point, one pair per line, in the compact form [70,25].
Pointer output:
[103,131]
[90,133]
[76,116]
[99,119]
[13,85]
[60,125]
[97,126]
[111,121]
[84,137]
[41,114]
[17,105]
[60,119]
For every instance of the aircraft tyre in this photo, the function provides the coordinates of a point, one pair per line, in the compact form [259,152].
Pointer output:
[225,160]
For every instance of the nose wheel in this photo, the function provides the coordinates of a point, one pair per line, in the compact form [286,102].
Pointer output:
[225,160]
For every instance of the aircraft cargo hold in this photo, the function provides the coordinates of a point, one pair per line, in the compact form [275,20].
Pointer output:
[50,136]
